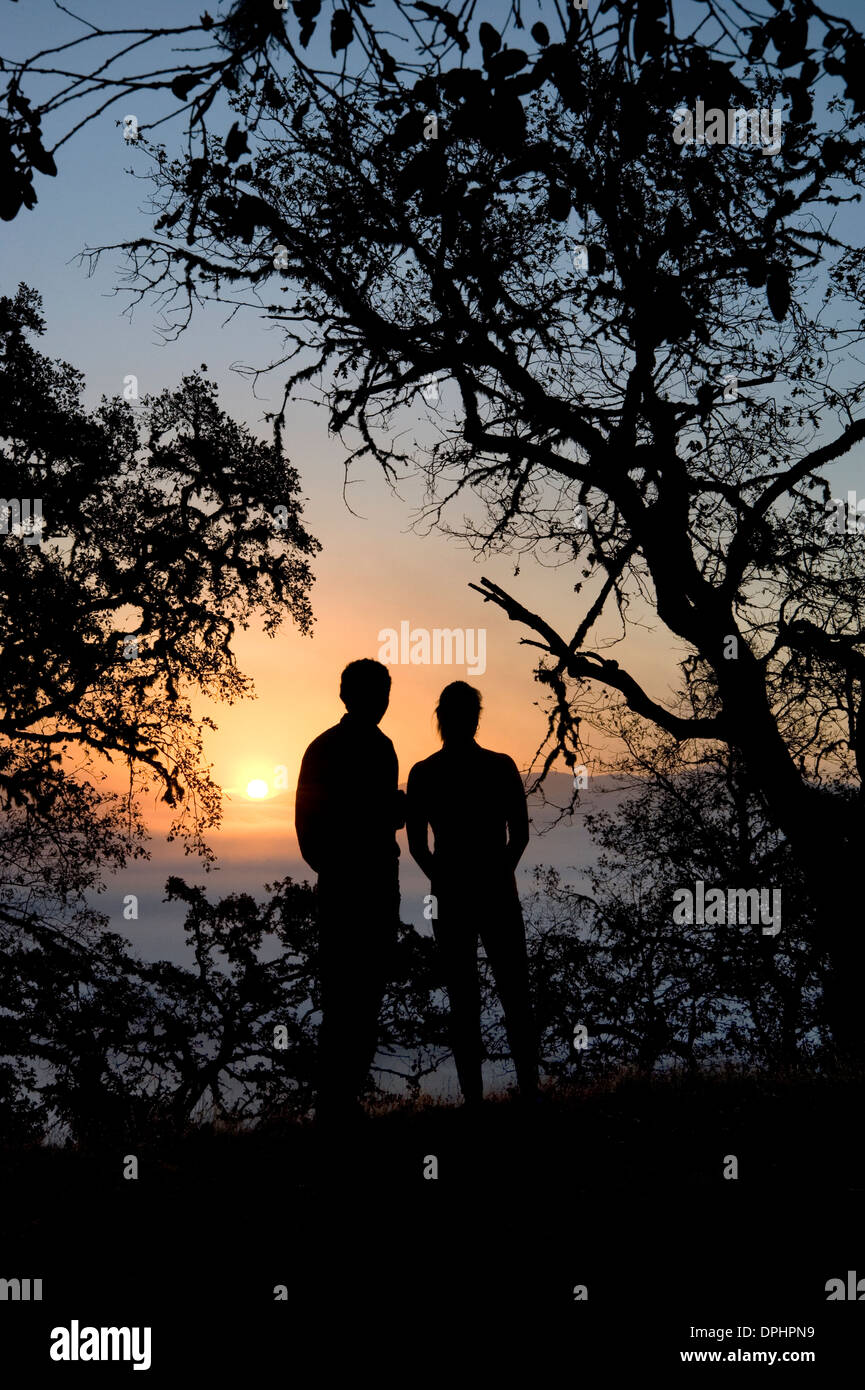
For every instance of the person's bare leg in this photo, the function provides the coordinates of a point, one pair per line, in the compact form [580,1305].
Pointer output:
[505,945]
[458,945]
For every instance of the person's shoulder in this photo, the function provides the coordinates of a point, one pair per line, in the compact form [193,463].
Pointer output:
[502,761]
[502,768]
[323,741]
[383,740]
[425,767]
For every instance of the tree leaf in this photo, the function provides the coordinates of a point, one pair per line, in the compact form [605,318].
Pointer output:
[490,39]
[341,31]
[558,203]
[236,144]
[40,158]
[778,292]
[183,84]
[307,12]
[650,35]
[597,258]
[300,115]
[759,42]
[507,63]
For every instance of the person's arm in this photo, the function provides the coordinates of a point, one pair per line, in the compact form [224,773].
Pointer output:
[398,796]
[308,809]
[517,815]
[417,824]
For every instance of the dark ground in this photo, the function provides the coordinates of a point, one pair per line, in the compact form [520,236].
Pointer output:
[619,1189]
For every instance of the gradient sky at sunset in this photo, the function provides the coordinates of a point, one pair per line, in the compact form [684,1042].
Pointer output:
[373,572]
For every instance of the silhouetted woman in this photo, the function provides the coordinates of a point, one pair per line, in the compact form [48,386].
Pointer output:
[474,802]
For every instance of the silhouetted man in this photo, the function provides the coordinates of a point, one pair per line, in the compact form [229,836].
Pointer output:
[474,802]
[347,811]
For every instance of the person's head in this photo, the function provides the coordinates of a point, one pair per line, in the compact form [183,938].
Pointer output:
[458,712]
[364,689]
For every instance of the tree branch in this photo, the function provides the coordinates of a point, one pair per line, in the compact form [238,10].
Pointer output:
[591,666]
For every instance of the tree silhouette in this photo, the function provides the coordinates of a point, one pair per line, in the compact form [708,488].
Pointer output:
[651,991]
[659,406]
[83,75]
[96,68]
[102,1045]
[163,530]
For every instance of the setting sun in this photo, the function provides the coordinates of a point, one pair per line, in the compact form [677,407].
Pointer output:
[256,789]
